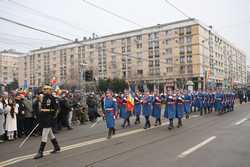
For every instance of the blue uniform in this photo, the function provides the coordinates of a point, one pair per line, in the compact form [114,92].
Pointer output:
[124,113]
[205,101]
[200,101]
[138,106]
[210,101]
[179,106]
[157,107]
[170,110]
[218,102]
[195,101]
[110,107]
[147,106]
[187,104]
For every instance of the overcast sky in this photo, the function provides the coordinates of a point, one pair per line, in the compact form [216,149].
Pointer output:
[231,18]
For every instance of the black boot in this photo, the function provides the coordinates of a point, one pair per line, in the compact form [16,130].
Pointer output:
[149,124]
[187,116]
[109,133]
[56,146]
[40,151]
[159,121]
[201,112]
[146,125]
[171,124]
[179,123]
[128,121]
[113,131]
[139,121]
[156,122]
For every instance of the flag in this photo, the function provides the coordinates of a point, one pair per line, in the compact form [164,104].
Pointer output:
[130,103]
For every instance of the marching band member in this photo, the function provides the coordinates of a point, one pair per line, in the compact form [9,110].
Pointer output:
[179,107]
[125,112]
[147,109]
[110,107]
[157,108]
[170,110]
[138,107]
[187,103]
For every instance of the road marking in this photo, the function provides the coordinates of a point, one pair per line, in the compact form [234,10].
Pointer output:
[77,145]
[241,121]
[189,151]
[194,116]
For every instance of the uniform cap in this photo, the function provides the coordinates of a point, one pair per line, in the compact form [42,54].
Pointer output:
[47,87]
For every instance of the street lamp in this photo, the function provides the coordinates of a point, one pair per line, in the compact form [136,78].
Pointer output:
[82,74]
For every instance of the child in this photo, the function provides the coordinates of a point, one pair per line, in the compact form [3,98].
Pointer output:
[11,123]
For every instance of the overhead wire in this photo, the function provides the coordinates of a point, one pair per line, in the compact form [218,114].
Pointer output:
[42,14]
[27,38]
[111,13]
[9,14]
[67,39]
[35,29]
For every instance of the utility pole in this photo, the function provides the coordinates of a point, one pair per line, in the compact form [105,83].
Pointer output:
[82,74]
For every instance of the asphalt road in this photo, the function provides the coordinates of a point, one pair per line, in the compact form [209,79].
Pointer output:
[207,141]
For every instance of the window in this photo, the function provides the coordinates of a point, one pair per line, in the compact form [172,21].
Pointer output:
[91,46]
[182,50]
[181,40]
[189,30]
[156,44]
[139,45]
[189,49]
[138,37]
[139,72]
[128,48]
[189,59]
[151,54]
[169,60]
[166,32]
[123,49]
[112,42]
[181,31]
[151,44]
[151,63]
[128,40]
[154,35]
[157,62]
[168,41]
[182,69]
[190,69]
[182,59]
[169,51]
[189,39]
[157,53]
[169,69]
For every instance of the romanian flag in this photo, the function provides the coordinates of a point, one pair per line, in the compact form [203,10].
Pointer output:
[130,103]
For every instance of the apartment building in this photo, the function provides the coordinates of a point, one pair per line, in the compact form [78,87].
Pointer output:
[9,66]
[164,55]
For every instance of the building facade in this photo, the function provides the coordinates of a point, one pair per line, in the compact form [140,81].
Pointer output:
[9,66]
[163,55]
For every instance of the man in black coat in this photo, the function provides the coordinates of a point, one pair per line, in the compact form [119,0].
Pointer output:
[92,107]
[63,115]
[46,116]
